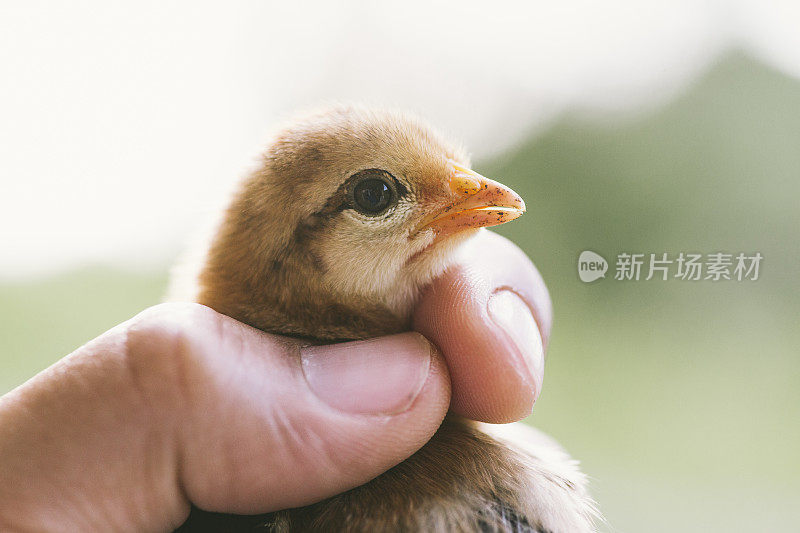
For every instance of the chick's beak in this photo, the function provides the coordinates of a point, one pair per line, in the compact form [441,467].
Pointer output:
[475,202]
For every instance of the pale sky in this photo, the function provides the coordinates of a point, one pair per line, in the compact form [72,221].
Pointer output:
[121,124]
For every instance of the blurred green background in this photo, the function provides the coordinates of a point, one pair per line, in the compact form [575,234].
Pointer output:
[681,399]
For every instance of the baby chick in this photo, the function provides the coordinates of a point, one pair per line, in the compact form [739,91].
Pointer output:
[350,213]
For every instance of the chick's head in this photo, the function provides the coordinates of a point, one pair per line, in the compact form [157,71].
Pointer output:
[358,204]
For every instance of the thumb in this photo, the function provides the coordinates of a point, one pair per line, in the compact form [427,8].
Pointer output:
[265,423]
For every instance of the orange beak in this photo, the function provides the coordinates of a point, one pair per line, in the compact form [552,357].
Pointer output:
[476,202]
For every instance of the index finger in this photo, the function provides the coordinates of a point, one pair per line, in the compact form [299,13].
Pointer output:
[490,314]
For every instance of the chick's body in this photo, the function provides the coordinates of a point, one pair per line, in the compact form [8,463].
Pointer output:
[350,213]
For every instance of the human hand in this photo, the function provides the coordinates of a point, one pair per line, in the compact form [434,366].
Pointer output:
[181,404]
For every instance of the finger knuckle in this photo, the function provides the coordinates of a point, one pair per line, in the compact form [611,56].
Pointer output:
[161,349]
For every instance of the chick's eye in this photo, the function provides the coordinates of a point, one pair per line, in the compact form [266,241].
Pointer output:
[373,195]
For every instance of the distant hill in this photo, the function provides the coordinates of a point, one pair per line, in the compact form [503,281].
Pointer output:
[680,398]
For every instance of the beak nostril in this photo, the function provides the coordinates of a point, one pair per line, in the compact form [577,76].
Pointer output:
[465,185]
[465,181]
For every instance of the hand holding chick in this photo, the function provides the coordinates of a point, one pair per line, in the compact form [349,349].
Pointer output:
[180,381]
